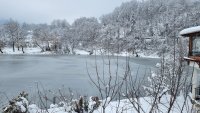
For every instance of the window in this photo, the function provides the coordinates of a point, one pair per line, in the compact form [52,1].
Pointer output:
[196,46]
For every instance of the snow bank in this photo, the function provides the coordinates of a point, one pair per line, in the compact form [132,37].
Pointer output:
[126,107]
[154,55]
[26,50]
[37,51]
[190,30]
[81,52]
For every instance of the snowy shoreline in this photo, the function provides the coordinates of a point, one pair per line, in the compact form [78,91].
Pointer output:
[37,51]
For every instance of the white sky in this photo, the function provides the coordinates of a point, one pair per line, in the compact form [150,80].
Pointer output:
[44,11]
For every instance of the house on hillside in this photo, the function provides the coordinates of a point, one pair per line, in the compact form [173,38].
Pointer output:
[193,59]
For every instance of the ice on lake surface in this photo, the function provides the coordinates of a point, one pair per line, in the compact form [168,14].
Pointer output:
[19,73]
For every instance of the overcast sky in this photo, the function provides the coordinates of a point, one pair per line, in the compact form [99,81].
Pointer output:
[44,11]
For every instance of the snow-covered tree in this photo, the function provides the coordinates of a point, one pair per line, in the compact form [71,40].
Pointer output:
[12,29]
[86,31]
[42,38]
[2,39]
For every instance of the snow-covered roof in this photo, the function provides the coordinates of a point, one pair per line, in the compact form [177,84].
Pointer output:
[187,31]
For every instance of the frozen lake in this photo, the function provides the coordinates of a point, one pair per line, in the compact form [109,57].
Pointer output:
[19,73]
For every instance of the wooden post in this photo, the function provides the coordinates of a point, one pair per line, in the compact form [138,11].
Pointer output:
[190,46]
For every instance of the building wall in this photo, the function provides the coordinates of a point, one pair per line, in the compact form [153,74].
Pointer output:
[195,78]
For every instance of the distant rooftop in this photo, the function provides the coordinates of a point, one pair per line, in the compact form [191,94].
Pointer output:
[189,31]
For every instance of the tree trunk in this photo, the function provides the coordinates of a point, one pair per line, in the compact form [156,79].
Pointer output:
[104,110]
[1,50]
[23,49]
[42,49]
[48,47]
[13,45]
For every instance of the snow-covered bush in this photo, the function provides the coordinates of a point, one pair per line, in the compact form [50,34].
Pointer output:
[18,104]
[94,104]
[82,105]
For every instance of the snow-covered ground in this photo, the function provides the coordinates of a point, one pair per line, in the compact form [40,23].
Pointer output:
[28,51]
[181,105]
[154,55]
[124,106]
[37,51]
